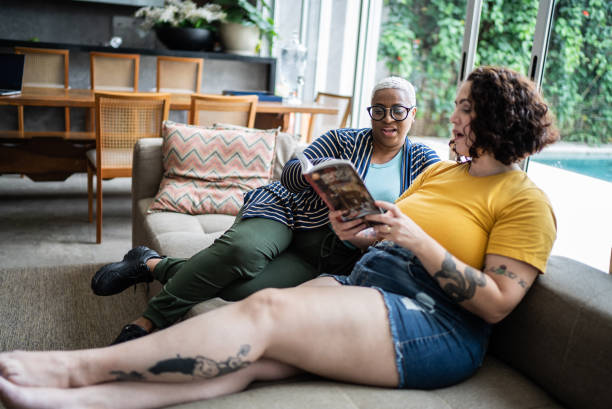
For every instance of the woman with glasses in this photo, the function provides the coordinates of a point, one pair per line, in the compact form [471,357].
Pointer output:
[459,251]
[282,235]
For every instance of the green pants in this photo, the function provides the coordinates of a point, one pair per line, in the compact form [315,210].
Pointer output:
[255,253]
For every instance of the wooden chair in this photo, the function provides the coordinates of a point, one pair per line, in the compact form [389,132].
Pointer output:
[179,75]
[121,119]
[319,124]
[44,68]
[210,109]
[114,72]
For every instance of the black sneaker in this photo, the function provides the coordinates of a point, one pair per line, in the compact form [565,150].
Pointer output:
[130,332]
[116,277]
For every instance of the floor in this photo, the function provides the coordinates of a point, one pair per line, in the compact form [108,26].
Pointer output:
[45,223]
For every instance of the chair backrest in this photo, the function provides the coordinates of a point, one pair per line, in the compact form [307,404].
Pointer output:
[122,119]
[319,123]
[179,75]
[114,72]
[208,109]
[45,68]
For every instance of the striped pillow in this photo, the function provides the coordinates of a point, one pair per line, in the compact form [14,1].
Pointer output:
[208,171]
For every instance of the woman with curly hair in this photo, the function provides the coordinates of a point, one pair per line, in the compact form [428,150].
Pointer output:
[456,254]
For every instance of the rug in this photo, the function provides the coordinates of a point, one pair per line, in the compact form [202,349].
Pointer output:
[45,308]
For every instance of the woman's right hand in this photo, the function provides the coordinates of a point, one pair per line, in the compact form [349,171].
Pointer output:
[350,231]
[345,230]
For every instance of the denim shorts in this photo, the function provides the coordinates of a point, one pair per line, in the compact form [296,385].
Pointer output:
[437,342]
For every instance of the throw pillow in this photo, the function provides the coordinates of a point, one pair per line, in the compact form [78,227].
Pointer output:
[286,146]
[208,170]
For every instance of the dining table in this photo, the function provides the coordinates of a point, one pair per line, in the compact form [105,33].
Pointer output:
[54,155]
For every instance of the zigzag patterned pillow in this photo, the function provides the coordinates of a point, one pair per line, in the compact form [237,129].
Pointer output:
[208,171]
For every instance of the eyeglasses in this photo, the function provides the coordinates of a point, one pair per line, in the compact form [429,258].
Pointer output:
[398,112]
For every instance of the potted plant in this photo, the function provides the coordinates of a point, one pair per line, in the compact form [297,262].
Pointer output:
[244,25]
[182,24]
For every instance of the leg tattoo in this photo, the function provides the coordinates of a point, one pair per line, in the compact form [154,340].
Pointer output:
[201,366]
[462,285]
[129,377]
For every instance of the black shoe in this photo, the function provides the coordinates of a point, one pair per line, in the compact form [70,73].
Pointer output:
[130,332]
[116,277]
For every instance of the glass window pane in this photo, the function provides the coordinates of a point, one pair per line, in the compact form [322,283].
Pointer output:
[421,40]
[576,173]
[505,35]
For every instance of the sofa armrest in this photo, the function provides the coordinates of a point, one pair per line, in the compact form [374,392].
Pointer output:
[560,335]
[147,172]
[147,168]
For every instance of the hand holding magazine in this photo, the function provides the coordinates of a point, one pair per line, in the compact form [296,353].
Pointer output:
[339,185]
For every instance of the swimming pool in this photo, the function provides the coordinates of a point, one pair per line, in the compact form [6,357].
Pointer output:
[597,166]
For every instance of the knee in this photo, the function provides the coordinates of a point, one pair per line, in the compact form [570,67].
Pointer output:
[266,307]
[242,249]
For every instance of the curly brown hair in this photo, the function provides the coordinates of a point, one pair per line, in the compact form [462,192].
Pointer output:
[512,120]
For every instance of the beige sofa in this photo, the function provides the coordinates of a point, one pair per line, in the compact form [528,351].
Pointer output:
[554,351]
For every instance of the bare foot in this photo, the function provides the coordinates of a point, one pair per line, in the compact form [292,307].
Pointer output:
[52,369]
[23,397]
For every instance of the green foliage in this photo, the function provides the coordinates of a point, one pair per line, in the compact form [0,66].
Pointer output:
[421,40]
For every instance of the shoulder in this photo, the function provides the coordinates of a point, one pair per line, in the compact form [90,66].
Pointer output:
[422,152]
[352,133]
[445,167]
[521,199]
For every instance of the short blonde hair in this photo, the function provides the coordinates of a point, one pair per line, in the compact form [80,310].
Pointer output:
[396,83]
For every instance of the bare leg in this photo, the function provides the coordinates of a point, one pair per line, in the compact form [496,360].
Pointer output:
[321,282]
[337,332]
[137,395]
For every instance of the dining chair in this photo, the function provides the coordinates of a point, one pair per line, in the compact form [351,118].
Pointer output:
[121,119]
[207,109]
[321,123]
[114,71]
[44,68]
[179,75]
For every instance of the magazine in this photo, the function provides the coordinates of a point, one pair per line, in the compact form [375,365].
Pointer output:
[339,185]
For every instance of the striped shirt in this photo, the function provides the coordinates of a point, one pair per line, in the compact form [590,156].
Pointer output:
[294,203]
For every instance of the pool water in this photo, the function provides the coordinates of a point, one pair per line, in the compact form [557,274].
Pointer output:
[597,167]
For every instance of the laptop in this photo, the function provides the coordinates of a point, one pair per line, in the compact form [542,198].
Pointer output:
[11,73]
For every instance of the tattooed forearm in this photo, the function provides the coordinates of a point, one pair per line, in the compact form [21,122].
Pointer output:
[462,285]
[201,366]
[502,270]
[125,376]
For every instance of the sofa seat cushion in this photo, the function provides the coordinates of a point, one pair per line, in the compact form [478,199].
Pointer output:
[182,235]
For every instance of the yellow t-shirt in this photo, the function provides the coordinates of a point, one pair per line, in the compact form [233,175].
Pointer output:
[505,214]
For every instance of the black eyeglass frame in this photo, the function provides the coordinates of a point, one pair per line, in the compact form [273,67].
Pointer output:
[390,110]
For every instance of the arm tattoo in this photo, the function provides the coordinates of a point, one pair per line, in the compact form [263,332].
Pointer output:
[127,377]
[201,366]
[502,270]
[462,286]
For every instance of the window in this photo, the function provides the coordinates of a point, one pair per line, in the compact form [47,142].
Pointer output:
[420,40]
[576,173]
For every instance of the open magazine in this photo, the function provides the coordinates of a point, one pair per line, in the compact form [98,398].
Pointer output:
[339,185]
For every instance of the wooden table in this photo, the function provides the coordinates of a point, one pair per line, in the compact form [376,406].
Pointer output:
[55,155]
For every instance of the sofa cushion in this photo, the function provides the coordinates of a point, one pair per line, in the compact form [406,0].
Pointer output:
[182,235]
[286,145]
[207,171]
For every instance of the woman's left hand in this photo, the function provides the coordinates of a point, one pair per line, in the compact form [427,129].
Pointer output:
[396,226]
